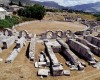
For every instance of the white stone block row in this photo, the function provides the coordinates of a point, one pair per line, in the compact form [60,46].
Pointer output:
[82,50]
[32,48]
[12,56]
[56,67]
[21,42]
[69,54]
[93,48]
[94,40]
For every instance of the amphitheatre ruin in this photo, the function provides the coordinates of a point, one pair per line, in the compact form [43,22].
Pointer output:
[53,50]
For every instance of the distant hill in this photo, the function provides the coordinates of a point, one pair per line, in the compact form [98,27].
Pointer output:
[46,3]
[91,7]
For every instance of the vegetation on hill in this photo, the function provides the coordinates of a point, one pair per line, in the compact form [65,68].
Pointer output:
[13,3]
[36,11]
[9,22]
[97,17]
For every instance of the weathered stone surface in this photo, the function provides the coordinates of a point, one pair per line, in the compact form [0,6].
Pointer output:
[15,52]
[32,48]
[81,49]
[8,42]
[20,43]
[7,32]
[69,54]
[25,34]
[93,48]
[12,56]
[56,67]
[56,34]
[94,40]
[43,72]
[40,64]
[41,58]
[46,58]
[55,46]
[67,72]
[2,38]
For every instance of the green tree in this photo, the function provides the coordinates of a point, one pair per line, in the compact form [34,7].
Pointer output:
[97,17]
[11,3]
[20,4]
[37,11]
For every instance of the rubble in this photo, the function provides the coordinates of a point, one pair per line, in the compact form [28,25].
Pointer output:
[66,72]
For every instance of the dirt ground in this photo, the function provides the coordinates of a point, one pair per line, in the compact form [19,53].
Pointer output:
[38,27]
[22,69]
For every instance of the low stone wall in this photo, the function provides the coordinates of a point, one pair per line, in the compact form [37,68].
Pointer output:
[94,40]
[32,48]
[93,48]
[68,53]
[81,50]
[20,43]
[56,67]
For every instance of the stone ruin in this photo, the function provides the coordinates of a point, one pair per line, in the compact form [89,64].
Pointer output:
[56,34]
[70,55]
[92,47]
[25,34]
[60,42]
[32,48]
[19,44]
[56,67]
[7,32]
[8,42]
[82,50]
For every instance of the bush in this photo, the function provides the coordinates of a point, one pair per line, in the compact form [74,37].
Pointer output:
[37,12]
[9,22]
[97,17]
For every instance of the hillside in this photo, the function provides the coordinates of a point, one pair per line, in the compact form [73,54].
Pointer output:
[46,3]
[91,7]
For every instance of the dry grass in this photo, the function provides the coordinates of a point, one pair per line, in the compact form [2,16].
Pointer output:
[60,16]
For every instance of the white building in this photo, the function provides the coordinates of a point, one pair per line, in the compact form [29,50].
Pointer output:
[3,13]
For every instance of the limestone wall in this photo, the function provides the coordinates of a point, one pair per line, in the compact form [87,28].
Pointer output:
[81,50]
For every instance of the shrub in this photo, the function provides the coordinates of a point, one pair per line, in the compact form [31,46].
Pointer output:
[9,22]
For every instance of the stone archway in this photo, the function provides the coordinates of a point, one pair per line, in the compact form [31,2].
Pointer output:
[24,33]
[49,34]
[59,34]
[7,32]
[69,32]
